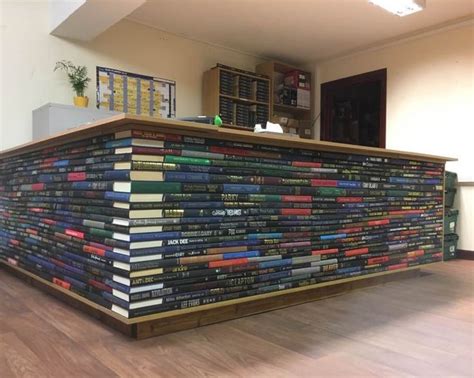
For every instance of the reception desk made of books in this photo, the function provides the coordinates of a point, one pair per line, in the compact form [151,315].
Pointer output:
[156,225]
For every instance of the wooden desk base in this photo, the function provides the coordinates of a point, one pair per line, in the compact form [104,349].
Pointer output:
[163,323]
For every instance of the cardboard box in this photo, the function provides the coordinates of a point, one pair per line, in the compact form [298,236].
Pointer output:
[298,79]
[282,121]
[292,123]
[306,130]
[303,98]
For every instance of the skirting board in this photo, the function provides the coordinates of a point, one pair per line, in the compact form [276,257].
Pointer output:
[464,254]
[174,321]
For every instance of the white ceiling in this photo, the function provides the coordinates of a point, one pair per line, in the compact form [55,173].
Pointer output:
[296,31]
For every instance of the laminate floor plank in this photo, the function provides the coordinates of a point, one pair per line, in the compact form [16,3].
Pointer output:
[422,326]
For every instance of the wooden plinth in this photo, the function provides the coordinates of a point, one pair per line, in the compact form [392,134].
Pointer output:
[173,321]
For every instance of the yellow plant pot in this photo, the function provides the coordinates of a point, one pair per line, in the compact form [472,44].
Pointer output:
[81,102]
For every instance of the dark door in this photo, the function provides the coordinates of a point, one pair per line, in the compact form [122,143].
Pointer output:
[353,109]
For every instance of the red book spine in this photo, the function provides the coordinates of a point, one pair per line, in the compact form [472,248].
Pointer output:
[58,263]
[295,211]
[378,222]
[63,284]
[93,250]
[416,253]
[221,263]
[397,266]
[401,212]
[14,242]
[149,135]
[76,176]
[324,251]
[378,260]
[74,233]
[348,199]
[307,164]
[36,210]
[38,186]
[242,152]
[297,199]
[12,261]
[318,182]
[155,151]
[100,285]
[295,244]
[357,251]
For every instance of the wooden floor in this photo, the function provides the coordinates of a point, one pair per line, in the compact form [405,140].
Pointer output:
[415,327]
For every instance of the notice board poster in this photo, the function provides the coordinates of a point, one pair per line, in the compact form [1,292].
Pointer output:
[135,94]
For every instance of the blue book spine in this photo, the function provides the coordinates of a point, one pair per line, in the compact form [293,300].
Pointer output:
[186,177]
[61,163]
[116,256]
[45,178]
[201,205]
[155,236]
[334,236]
[267,235]
[274,276]
[239,255]
[41,262]
[119,143]
[115,300]
[241,188]
[117,175]
[349,184]
[348,270]
[274,263]
[82,185]
[116,196]
[116,285]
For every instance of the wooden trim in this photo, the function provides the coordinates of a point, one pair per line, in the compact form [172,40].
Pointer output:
[465,254]
[465,183]
[172,321]
[328,88]
[125,121]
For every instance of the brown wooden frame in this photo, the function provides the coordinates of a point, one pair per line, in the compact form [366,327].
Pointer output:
[328,88]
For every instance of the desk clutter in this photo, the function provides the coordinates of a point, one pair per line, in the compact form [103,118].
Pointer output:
[143,222]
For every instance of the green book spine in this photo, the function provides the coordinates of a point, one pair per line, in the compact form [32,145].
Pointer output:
[147,166]
[101,232]
[186,160]
[332,192]
[264,197]
[155,187]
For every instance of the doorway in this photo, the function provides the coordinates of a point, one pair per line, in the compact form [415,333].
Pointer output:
[353,109]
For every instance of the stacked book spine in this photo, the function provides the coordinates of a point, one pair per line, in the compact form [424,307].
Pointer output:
[143,222]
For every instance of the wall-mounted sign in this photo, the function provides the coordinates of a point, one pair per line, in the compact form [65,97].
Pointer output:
[135,94]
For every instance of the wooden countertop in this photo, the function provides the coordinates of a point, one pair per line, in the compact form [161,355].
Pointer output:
[126,121]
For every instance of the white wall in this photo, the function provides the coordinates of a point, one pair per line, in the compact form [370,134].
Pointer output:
[430,100]
[29,55]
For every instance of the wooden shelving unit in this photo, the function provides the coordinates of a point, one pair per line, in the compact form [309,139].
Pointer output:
[275,70]
[239,97]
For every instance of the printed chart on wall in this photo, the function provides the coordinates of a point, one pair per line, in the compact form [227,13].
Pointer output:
[135,94]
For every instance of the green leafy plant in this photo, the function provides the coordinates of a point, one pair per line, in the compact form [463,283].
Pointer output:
[77,75]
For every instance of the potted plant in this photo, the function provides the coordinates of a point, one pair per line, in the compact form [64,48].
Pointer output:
[77,78]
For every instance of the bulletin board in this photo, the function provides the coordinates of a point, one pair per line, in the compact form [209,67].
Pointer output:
[135,94]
